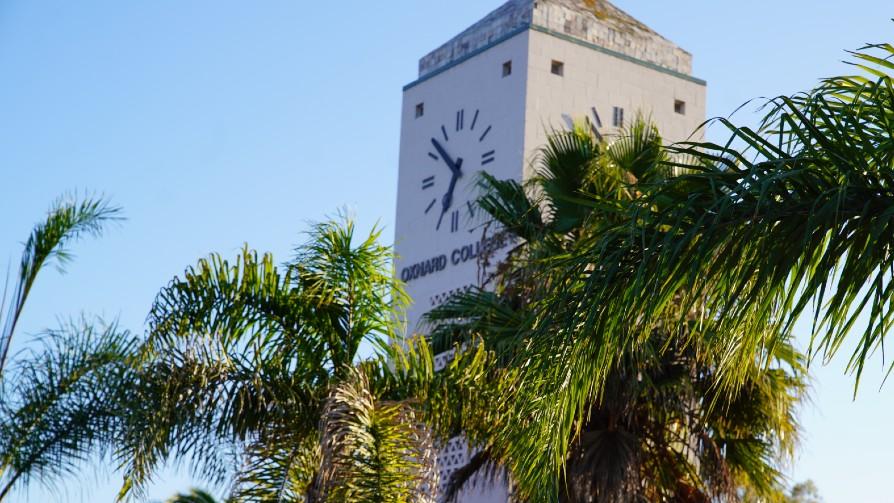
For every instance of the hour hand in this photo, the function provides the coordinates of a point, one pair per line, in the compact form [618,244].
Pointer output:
[444,155]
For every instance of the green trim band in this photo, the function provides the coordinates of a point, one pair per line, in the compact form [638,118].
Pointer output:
[562,36]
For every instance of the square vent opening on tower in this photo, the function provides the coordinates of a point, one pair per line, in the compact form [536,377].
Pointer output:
[680,107]
[557,68]
[420,110]
[507,68]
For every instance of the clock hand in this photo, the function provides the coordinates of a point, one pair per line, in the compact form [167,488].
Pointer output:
[448,197]
[440,219]
[447,200]
[444,155]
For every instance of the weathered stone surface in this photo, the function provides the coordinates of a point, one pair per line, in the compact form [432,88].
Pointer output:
[596,22]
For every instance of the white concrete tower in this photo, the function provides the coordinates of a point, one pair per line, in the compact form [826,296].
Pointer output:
[487,99]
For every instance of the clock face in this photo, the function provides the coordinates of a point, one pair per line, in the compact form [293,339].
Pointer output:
[457,151]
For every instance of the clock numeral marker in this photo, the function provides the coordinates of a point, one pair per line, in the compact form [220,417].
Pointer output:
[428,183]
[431,205]
[474,120]
[444,130]
[483,136]
[471,208]
[596,125]
[433,156]
[596,117]
[454,221]
[488,157]
[460,120]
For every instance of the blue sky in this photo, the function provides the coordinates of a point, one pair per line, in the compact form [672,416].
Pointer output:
[215,123]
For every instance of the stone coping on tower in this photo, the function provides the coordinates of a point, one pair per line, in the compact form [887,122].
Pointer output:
[594,22]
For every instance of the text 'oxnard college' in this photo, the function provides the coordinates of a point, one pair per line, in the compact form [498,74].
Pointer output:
[458,256]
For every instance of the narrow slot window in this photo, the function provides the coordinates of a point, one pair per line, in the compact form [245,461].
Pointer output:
[420,110]
[507,68]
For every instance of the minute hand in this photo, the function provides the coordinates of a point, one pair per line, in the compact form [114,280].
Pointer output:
[447,200]
[444,155]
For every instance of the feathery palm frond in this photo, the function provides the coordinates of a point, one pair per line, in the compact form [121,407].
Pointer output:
[349,285]
[66,221]
[791,219]
[59,406]
[243,356]
[64,403]
[281,467]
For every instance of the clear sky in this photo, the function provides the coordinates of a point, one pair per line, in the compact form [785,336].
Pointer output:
[219,122]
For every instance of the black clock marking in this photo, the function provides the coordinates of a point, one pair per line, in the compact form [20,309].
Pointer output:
[433,156]
[488,157]
[454,221]
[596,125]
[460,120]
[474,120]
[484,135]
[471,208]
[444,130]
[431,205]
[428,183]
[596,117]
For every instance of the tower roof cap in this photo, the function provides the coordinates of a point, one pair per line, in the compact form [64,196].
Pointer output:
[593,22]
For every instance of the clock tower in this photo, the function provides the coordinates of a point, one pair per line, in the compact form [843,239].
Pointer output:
[486,101]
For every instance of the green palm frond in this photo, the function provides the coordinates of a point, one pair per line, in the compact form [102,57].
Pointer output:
[204,403]
[280,467]
[477,314]
[349,283]
[67,221]
[251,302]
[64,402]
[243,355]
[791,219]
[508,204]
[562,174]
[228,350]
[638,150]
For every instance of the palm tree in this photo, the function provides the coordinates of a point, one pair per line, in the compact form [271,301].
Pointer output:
[251,372]
[790,220]
[58,405]
[657,427]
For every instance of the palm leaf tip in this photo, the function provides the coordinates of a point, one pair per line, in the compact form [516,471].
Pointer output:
[69,219]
